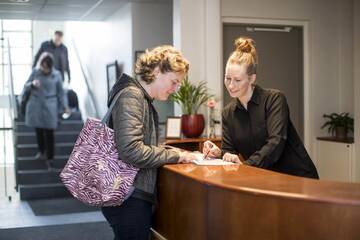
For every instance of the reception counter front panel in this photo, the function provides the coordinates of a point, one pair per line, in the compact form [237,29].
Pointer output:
[243,202]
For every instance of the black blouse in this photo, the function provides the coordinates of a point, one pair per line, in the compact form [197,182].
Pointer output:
[264,134]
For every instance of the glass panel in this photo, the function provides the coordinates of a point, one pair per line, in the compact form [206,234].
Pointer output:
[21,74]
[5,76]
[1,55]
[18,39]
[2,87]
[19,56]
[17,25]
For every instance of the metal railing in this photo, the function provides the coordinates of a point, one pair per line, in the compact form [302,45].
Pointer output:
[91,93]
[13,113]
[12,98]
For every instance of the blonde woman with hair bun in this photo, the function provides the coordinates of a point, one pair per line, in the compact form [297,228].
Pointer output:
[257,129]
[159,73]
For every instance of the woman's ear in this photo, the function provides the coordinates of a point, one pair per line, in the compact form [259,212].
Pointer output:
[252,79]
[156,71]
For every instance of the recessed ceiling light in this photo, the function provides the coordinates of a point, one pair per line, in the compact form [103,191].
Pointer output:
[19,1]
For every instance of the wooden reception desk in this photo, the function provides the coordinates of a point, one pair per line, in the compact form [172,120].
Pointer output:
[243,202]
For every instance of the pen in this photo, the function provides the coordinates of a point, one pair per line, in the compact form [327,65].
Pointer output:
[208,151]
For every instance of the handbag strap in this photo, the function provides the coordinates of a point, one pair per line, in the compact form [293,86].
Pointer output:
[106,118]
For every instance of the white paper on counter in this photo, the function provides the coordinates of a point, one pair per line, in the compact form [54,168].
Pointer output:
[210,161]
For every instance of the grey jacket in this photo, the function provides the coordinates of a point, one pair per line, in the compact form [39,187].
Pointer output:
[134,120]
[45,102]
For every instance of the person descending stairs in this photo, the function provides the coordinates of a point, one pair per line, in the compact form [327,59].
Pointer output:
[35,179]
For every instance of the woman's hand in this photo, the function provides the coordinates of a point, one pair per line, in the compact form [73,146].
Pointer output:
[211,150]
[186,157]
[36,83]
[228,157]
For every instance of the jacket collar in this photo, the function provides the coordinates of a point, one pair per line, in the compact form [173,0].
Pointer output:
[146,94]
[255,98]
[126,81]
[53,44]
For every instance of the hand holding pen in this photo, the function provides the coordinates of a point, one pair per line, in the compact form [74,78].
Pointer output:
[207,153]
[211,150]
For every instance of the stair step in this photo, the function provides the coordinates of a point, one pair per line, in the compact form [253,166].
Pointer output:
[40,191]
[27,150]
[68,125]
[60,137]
[30,163]
[38,176]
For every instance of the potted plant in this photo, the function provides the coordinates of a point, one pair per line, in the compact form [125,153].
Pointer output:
[190,97]
[340,124]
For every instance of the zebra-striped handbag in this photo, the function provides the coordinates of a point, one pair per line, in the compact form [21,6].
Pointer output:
[94,174]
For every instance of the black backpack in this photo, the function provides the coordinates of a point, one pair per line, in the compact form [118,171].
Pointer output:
[73,99]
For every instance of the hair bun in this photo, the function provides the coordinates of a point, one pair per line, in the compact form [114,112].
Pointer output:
[244,45]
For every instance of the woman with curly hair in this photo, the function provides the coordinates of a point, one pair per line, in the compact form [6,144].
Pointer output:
[159,73]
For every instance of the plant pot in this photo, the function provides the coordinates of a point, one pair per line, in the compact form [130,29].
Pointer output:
[192,125]
[340,132]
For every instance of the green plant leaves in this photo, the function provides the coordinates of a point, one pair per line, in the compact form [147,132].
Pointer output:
[190,97]
[335,120]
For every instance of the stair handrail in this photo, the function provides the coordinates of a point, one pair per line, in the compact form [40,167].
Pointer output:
[91,93]
[12,111]
[12,98]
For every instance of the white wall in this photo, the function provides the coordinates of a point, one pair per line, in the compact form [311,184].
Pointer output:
[101,43]
[190,37]
[120,37]
[44,31]
[356,27]
[197,33]
[346,51]
[330,45]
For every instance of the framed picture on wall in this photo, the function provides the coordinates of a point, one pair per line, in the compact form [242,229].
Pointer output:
[173,127]
[112,74]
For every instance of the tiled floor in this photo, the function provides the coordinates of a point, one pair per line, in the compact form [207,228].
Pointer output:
[18,213]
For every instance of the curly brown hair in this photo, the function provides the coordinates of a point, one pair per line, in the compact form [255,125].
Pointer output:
[166,57]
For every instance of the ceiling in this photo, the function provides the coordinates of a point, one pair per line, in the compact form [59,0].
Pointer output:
[63,10]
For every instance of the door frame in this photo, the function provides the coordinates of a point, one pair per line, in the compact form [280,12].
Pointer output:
[308,112]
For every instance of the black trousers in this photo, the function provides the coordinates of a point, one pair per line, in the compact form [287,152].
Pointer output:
[45,140]
[130,221]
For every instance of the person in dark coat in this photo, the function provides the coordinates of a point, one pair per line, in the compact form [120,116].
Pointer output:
[257,129]
[159,73]
[44,104]
[59,52]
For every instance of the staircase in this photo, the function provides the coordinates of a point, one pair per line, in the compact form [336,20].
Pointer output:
[34,180]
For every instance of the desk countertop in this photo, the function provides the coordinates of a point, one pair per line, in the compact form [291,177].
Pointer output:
[257,181]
